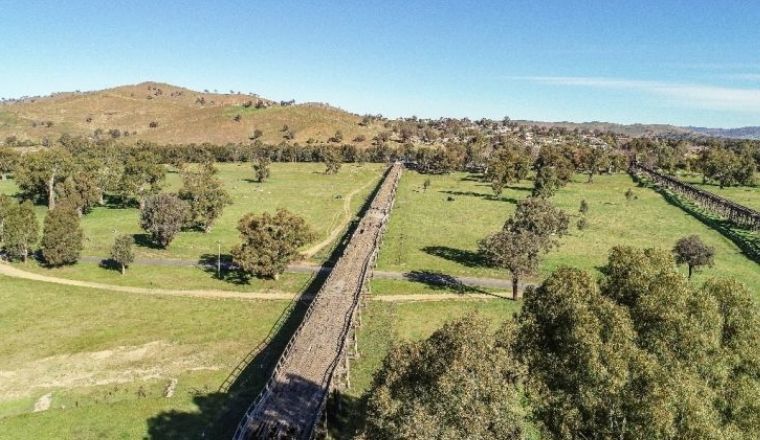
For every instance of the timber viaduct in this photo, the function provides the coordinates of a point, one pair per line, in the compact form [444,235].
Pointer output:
[293,400]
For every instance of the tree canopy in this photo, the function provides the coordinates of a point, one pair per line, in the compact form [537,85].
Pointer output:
[163,216]
[62,237]
[517,247]
[640,354]
[728,167]
[269,242]
[205,196]
[331,160]
[9,159]
[20,229]
[540,217]
[507,165]
[39,173]
[461,382]
[122,253]
[693,252]
[142,176]
[261,168]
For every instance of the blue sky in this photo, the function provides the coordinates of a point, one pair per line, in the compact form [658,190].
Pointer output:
[682,62]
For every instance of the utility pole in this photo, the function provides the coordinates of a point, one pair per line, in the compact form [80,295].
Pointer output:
[219,259]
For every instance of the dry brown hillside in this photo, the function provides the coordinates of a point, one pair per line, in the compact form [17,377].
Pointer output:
[164,113]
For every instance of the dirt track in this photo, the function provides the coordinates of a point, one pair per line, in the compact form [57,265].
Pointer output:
[10,271]
[342,223]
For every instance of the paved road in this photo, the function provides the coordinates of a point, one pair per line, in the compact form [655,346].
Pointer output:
[11,271]
[420,276]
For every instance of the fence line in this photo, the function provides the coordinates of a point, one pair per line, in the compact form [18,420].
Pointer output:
[737,214]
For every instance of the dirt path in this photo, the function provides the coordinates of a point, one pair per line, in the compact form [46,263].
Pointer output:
[342,223]
[43,403]
[14,272]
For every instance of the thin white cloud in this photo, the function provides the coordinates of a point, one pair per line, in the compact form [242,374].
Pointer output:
[716,66]
[745,76]
[696,95]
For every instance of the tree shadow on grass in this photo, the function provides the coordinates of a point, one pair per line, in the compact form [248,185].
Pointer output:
[109,264]
[461,256]
[112,201]
[441,281]
[484,196]
[345,415]
[742,238]
[519,188]
[483,182]
[144,240]
[229,271]
[472,178]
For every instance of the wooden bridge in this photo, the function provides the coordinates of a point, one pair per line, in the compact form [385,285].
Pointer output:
[294,398]
[737,214]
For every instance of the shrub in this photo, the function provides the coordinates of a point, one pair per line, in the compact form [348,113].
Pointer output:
[62,237]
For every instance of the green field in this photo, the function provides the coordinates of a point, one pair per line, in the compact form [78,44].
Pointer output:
[107,360]
[748,196]
[300,187]
[437,230]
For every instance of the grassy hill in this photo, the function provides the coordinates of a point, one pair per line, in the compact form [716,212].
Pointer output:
[164,113]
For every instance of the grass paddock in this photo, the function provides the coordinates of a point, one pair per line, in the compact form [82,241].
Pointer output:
[437,230]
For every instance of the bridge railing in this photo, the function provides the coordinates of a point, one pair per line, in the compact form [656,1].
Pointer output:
[738,214]
[250,415]
[365,278]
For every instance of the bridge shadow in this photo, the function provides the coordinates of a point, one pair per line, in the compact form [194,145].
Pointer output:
[441,281]
[484,196]
[747,241]
[461,256]
[219,413]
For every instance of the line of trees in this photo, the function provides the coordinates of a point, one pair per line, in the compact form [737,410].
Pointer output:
[725,162]
[75,176]
[62,236]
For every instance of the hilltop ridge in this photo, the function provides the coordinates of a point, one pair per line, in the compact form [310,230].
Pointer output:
[164,113]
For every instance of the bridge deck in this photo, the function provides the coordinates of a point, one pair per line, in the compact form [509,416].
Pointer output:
[293,399]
